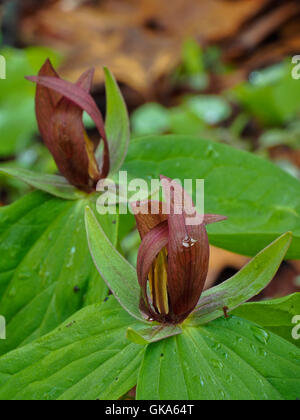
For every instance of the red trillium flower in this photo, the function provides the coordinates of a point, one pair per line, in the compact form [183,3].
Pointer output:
[174,255]
[59,110]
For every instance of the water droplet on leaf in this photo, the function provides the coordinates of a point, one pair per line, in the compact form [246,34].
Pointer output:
[261,335]
[217,364]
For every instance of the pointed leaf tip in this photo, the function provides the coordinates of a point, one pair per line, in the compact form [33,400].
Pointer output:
[246,284]
[117,124]
[52,184]
[152,334]
[214,218]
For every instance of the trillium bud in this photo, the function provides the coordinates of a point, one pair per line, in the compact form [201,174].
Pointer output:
[59,110]
[174,255]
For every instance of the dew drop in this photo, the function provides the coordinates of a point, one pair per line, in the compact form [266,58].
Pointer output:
[229,379]
[217,364]
[238,341]
[211,152]
[222,395]
[217,346]
[263,353]
[254,349]
[25,275]
[71,261]
[189,242]
[294,357]
[261,335]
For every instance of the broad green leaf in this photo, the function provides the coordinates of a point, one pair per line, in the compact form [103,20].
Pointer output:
[152,334]
[86,358]
[246,284]
[260,200]
[97,290]
[117,123]
[118,274]
[229,359]
[52,184]
[45,266]
[276,315]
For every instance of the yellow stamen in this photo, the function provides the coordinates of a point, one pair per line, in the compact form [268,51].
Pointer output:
[158,280]
[93,166]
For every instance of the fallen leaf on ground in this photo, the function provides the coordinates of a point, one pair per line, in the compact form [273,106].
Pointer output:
[139,40]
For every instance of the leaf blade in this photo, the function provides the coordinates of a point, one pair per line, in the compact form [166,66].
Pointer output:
[51,184]
[152,334]
[119,275]
[117,124]
[246,284]
[276,315]
[88,357]
[46,268]
[221,361]
[237,184]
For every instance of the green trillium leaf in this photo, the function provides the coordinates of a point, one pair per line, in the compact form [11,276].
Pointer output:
[246,284]
[228,359]
[46,271]
[52,184]
[152,334]
[117,124]
[260,200]
[86,358]
[119,275]
[276,315]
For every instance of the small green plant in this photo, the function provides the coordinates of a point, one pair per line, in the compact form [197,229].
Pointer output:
[68,339]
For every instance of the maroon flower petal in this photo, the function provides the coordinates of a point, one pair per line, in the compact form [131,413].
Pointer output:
[86,80]
[45,102]
[69,147]
[188,253]
[73,151]
[81,98]
[145,217]
[154,241]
